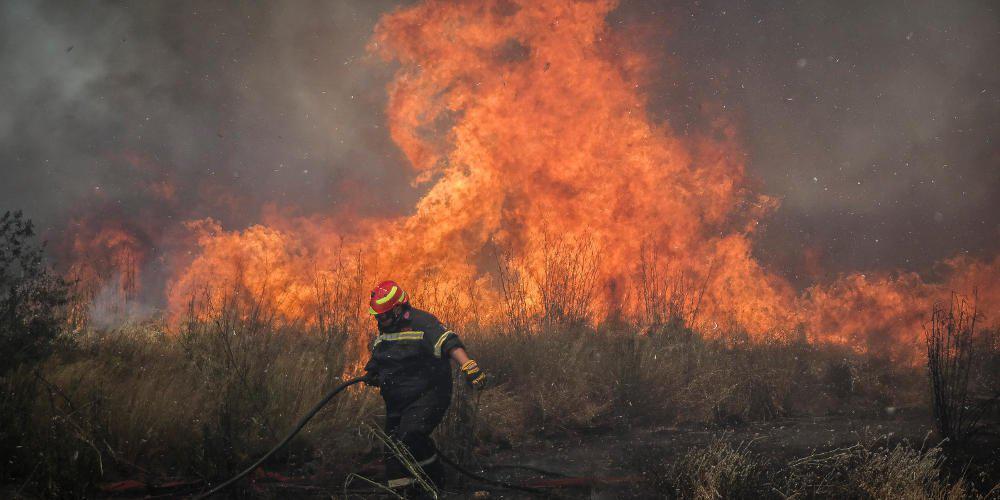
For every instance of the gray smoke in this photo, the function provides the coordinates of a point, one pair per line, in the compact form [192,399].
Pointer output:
[874,122]
[278,102]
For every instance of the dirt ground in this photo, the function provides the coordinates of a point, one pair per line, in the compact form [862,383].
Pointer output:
[621,462]
[618,463]
[606,463]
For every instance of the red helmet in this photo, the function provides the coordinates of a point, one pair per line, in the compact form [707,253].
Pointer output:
[385,296]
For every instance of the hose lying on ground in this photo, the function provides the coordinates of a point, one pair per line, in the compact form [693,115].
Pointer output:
[298,427]
[538,470]
[487,480]
[319,406]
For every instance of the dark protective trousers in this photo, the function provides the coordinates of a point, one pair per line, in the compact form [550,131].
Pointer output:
[410,421]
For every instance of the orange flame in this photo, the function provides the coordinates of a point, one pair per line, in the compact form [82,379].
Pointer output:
[887,314]
[107,257]
[526,121]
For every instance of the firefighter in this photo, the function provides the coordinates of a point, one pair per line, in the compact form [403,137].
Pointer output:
[411,364]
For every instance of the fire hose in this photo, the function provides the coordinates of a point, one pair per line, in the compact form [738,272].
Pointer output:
[295,430]
[319,406]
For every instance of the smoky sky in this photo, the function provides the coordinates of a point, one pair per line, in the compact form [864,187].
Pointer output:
[276,102]
[874,123]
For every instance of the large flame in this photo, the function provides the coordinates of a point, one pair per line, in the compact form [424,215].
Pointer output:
[526,123]
[546,141]
[886,314]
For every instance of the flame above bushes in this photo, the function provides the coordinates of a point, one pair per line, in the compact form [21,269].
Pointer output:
[548,181]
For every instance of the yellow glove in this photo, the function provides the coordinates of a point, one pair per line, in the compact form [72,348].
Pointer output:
[473,375]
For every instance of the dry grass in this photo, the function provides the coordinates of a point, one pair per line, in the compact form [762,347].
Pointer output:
[957,355]
[719,470]
[216,392]
[873,468]
[137,402]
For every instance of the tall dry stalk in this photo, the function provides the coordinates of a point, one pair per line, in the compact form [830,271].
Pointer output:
[951,353]
[515,315]
[339,293]
[669,301]
[565,280]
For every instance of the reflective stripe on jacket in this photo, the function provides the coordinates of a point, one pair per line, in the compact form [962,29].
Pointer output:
[413,355]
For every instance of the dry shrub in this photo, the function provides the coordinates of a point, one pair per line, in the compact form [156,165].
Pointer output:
[572,374]
[565,281]
[139,402]
[562,382]
[494,416]
[731,386]
[670,301]
[515,310]
[555,292]
[956,351]
[500,418]
[119,406]
[840,379]
[33,311]
[574,379]
[136,402]
[873,468]
[902,472]
[261,378]
[567,380]
[719,470]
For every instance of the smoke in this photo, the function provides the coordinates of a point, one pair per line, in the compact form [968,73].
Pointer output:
[275,102]
[134,118]
[872,124]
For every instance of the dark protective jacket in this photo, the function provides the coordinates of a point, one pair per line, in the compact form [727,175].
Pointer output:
[412,356]
[412,363]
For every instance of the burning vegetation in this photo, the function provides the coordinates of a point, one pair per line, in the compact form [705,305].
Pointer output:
[527,128]
[600,258]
